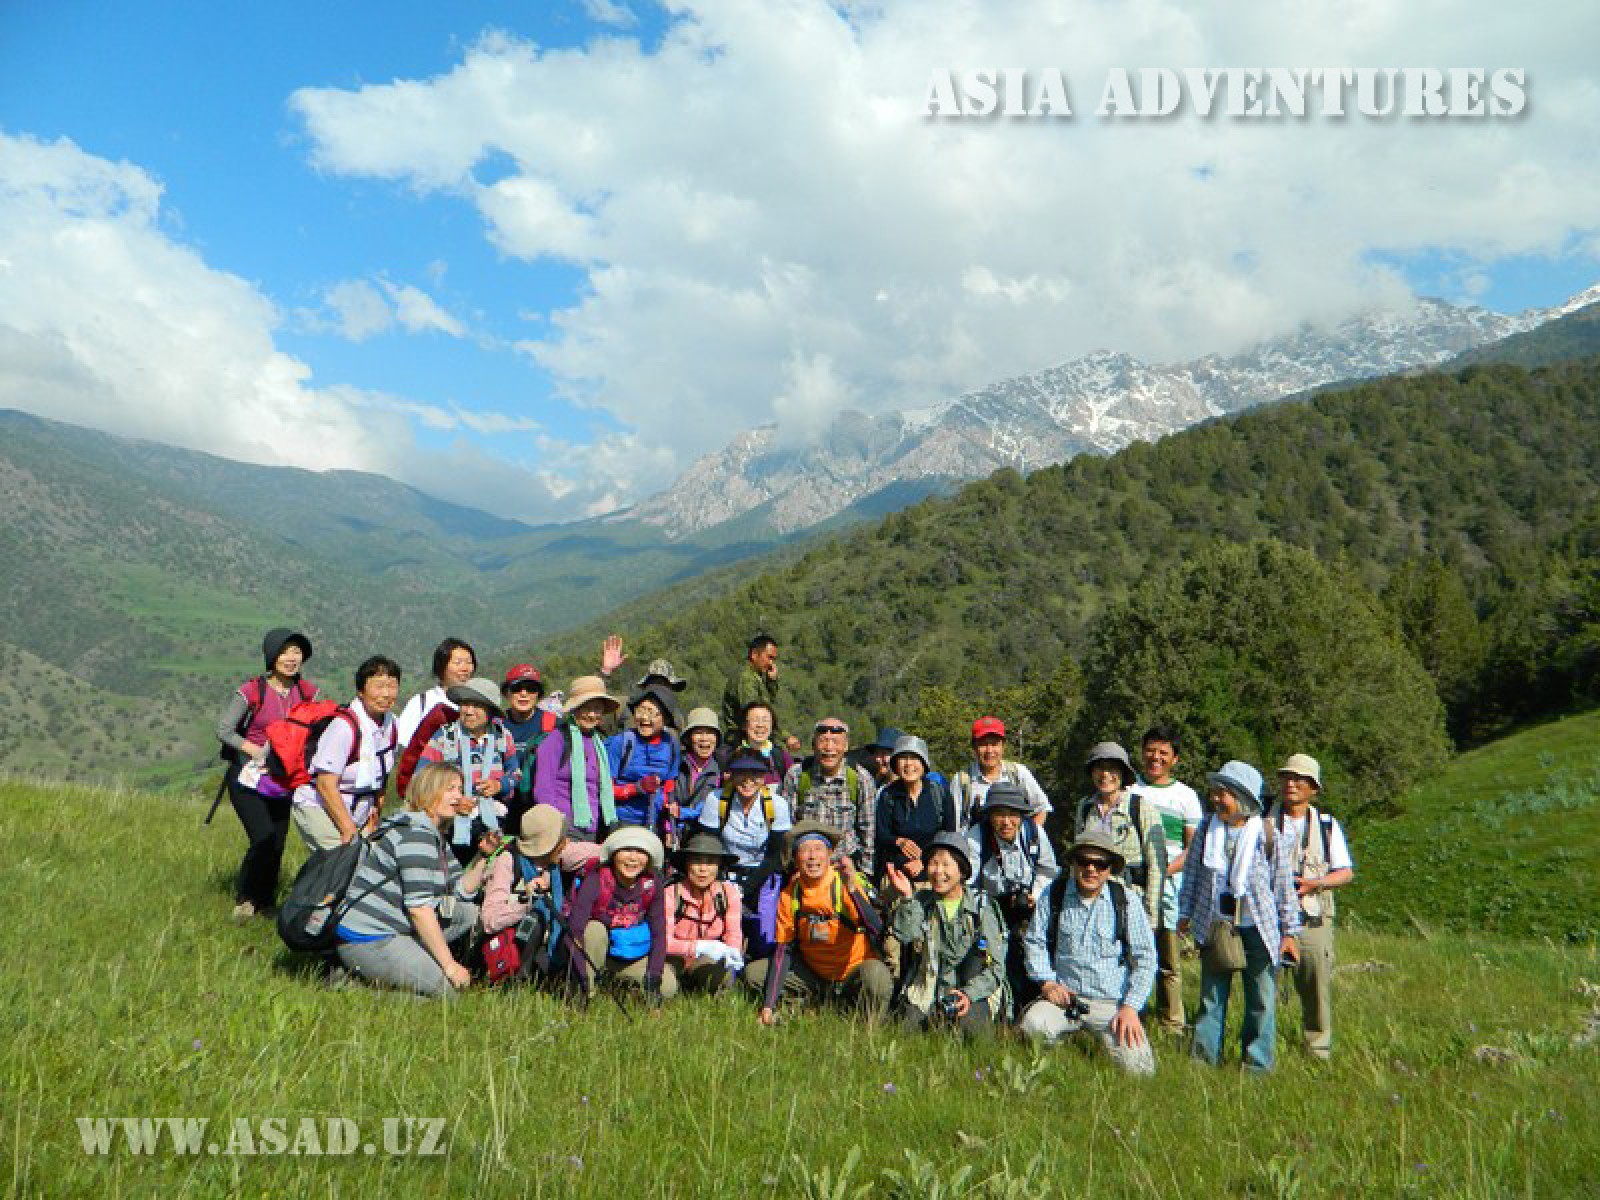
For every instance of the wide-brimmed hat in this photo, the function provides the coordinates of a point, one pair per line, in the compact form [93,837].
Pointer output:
[913,745]
[275,640]
[586,688]
[1098,839]
[747,760]
[634,837]
[805,829]
[661,669]
[1304,766]
[888,735]
[661,697]
[477,690]
[1111,752]
[543,826]
[1243,780]
[984,726]
[704,844]
[703,718]
[1003,795]
[956,844]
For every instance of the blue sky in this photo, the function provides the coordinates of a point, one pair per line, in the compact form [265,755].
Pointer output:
[572,246]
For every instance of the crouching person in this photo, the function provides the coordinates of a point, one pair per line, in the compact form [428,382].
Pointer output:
[528,887]
[410,898]
[952,956]
[620,916]
[826,929]
[1092,953]
[705,943]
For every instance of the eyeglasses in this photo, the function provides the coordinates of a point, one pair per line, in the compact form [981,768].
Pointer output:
[835,729]
[1092,864]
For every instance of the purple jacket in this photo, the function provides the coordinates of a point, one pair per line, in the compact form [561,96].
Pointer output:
[552,777]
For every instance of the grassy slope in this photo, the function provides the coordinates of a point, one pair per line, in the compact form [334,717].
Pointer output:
[142,1000]
[1504,840]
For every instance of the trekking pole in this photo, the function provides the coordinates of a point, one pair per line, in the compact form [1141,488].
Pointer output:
[216,801]
[581,949]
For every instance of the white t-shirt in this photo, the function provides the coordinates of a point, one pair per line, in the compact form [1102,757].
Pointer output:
[1179,807]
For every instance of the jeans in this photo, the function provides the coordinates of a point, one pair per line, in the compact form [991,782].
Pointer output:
[266,824]
[1259,982]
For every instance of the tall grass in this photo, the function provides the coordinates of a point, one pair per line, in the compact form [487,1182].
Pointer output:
[127,993]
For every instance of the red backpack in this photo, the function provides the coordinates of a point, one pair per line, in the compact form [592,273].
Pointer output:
[437,718]
[292,741]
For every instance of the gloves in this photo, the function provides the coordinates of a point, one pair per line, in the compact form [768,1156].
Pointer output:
[712,951]
[650,784]
[733,960]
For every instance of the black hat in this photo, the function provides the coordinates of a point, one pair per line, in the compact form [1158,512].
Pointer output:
[704,844]
[276,639]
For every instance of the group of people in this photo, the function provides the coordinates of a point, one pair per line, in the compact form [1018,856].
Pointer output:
[543,838]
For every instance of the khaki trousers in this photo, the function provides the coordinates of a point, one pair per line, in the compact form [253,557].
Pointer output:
[1169,980]
[597,943]
[1313,979]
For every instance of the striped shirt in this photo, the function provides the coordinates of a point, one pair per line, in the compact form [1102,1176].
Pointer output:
[827,799]
[407,865]
[1087,956]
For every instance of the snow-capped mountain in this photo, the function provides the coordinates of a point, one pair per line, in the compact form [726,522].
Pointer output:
[1099,403]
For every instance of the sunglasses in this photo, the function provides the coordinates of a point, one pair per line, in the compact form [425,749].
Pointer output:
[840,729]
[1093,864]
[524,687]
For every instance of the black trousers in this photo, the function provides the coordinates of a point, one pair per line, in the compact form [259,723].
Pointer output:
[266,824]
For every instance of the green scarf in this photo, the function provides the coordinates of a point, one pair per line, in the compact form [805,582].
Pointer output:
[582,814]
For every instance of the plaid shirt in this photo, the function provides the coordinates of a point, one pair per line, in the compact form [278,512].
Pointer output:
[828,800]
[1270,899]
[1087,957]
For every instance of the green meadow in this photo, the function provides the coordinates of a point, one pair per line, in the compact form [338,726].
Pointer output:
[1466,1063]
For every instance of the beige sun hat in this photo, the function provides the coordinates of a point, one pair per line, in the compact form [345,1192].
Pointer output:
[586,688]
[1304,766]
[541,830]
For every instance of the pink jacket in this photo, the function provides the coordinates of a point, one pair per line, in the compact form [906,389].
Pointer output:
[702,924]
[503,906]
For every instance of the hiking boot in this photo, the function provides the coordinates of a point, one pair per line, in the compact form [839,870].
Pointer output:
[243,912]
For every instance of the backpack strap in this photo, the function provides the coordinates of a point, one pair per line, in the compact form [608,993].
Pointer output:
[1119,916]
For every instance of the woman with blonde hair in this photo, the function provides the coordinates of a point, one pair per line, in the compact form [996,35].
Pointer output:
[409,899]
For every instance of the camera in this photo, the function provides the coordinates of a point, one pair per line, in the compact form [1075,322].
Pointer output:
[1228,906]
[949,1007]
[1077,1008]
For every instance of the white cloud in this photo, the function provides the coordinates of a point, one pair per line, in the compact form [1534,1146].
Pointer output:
[609,12]
[106,321]
[362,308]
[768,224]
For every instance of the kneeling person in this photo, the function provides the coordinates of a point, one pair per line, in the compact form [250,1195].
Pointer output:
[952,957]
[704,940]
[1092,953]
[825,932]
[620,915]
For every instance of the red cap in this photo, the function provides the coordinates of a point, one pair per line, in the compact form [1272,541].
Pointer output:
[523,673]
[984,726]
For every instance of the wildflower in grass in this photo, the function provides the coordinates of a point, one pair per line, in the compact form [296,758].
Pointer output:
[198,1043]
[889,1088]
[574,1162]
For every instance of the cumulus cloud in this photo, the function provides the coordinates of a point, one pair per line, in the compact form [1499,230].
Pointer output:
[107,321]
[768,224]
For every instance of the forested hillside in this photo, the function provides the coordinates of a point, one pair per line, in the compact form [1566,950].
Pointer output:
[1471,500]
